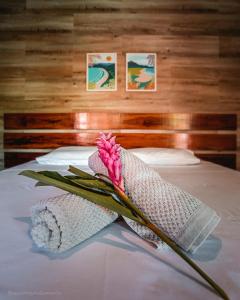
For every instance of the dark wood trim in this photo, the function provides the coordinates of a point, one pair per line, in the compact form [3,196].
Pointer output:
[15,158]
[211,139]
[128,140]
[178,121]
[98,120]
[226,160]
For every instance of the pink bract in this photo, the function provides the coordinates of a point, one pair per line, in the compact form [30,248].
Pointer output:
[109,152]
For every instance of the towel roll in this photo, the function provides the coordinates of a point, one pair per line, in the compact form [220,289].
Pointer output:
[62,222]
[184,218]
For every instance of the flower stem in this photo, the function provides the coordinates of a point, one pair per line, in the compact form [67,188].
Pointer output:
[171,243]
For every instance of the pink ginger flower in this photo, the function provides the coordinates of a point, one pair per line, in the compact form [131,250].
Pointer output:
[109,152]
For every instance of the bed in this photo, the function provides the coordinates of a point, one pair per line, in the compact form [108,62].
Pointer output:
[116,263]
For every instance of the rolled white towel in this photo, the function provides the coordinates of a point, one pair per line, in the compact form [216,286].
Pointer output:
[184,218]
[62,222]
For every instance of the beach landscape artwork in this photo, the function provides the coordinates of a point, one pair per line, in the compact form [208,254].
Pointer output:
[101,72]
[141,72]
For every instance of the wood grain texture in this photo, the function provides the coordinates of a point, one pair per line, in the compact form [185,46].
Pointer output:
[43,45]
[82,120]
[128,140]
[85,120]
[179,121]
[123,6]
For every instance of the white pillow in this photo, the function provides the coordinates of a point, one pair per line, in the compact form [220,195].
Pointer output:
[75,155]
[166,156]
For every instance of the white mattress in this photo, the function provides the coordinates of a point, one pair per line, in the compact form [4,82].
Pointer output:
[116,264]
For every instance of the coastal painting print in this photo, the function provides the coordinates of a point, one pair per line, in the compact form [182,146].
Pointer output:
[101,71]
[141,72]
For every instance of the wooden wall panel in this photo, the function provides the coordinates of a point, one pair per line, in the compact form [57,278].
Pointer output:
[100,121]
[43,46]
[211,136]
[123,6]
[214,142]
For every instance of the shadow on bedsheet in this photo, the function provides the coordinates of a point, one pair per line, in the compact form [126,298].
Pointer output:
[209,249]
[122,236]
[207,252]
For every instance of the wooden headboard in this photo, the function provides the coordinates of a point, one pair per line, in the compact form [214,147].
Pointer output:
[211,136]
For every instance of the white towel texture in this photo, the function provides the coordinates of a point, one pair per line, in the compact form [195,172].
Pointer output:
[62,222]
[186,220]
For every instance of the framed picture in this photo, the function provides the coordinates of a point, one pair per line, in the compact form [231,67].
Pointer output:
[101,72]
[141,72]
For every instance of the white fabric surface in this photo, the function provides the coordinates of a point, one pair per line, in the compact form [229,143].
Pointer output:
[116,263]
[166,156]
[75,155]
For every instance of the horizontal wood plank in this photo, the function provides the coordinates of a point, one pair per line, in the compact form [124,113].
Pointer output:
[128,140]
[124,6]
[85,120]
[177,121]
[62,121]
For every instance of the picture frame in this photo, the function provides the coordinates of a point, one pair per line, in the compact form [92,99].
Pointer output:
[101,72]
[141,72]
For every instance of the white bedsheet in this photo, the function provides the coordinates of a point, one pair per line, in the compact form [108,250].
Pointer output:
[116,264]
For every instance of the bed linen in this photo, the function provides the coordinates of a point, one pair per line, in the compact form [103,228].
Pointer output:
[116,263]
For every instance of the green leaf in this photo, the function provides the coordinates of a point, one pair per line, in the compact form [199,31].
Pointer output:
[80,173]
[102,200]
[94,187]
[55,175]
[72,177]
[90,188]
[97,183]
